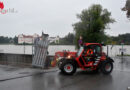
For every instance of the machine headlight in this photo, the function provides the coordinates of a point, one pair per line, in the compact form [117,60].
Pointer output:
[69,57]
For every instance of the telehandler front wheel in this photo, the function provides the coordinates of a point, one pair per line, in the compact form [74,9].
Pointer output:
[68,67]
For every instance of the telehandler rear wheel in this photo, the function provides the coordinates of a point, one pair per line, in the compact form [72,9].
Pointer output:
[107,67]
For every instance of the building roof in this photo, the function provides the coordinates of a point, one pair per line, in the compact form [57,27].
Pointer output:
[27,36]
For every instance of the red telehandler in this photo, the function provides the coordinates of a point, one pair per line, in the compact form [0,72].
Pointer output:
[89,57]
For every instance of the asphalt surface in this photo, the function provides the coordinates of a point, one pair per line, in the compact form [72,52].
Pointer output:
[119,79]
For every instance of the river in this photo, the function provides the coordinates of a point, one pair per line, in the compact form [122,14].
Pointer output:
[20,49]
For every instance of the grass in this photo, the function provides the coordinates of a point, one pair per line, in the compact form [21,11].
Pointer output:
[124,55]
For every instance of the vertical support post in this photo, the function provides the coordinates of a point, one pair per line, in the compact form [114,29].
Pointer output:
[122,53]
[24,46]
[24,50]
[32,47]
[107,50]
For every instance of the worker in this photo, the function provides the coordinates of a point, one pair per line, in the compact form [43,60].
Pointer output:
[80,41]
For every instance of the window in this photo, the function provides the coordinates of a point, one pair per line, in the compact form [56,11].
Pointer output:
[80,51]
[96,49]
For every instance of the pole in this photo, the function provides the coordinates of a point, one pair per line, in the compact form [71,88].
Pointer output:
[32,47]
[107,50]
[122,51]
[24,50]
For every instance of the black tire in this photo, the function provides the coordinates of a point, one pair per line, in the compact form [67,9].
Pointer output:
[59,63]
[107,67]
[68,71]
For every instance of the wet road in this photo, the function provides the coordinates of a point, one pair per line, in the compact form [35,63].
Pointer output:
[119,79]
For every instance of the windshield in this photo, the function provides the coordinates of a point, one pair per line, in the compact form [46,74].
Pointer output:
[80,50]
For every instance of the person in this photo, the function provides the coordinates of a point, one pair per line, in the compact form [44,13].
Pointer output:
[80,41]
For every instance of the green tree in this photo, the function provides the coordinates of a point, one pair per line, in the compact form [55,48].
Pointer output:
[15,40]
[5,40]
[127,8]
[93,22]
[125,38]
[67,40]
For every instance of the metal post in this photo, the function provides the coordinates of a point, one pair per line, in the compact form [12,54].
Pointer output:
[32,47]
[107,50]
[24,50]
[122,53]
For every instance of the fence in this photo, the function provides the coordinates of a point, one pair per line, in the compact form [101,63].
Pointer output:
[40,51]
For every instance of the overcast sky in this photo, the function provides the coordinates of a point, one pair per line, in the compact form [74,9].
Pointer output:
[56,17]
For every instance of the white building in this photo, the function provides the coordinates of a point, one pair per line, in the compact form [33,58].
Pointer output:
[26,38]
[29,39]
[54,39]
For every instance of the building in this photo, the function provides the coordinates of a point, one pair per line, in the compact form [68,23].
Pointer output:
[54,39]
[29,39]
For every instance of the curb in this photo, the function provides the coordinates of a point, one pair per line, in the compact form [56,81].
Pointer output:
[46,71]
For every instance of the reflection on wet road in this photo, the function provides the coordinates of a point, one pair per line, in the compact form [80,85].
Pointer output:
[119,79]
[122,64]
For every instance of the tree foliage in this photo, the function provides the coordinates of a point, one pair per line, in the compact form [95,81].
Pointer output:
[67,40]
[125,38]
[15,40]
[127,8]
[8,40]
[4,40]
[93,22]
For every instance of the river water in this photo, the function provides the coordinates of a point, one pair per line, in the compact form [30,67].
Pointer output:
[27,49]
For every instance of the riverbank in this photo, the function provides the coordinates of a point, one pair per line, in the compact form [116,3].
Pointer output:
[29,49]
[113,50]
